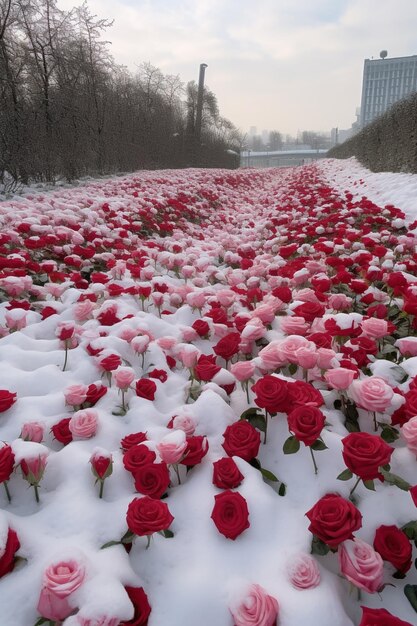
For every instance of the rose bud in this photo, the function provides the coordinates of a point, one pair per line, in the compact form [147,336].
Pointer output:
[32,431]
[101,466]
[33,470]
[123,377]
[172,447]
[7,399]
[61,431]
[75,395]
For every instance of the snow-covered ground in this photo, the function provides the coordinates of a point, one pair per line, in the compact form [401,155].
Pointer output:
[277,269]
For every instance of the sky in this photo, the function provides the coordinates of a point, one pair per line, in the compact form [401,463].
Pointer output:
[287,65]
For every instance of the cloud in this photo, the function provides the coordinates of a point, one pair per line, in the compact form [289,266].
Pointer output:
[286,64]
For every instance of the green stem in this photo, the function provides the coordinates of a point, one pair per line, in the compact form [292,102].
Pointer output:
[66,356]
[143,359]
[266,426]
[316,469]
[354,487]
[123,401]
[375,423]
[148,541]
[36,493]
[100,495]
[246,386]
[7,491]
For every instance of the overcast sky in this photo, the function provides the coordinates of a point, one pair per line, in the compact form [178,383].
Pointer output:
[287,65]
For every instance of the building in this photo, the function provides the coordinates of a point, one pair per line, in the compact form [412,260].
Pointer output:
[386,81]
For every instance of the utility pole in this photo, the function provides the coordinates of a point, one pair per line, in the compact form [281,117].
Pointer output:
[199,112]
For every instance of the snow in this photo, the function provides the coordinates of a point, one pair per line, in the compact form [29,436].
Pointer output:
[195,576]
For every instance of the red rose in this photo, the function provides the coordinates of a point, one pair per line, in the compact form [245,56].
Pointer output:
[306,422]
[197,448]
[363,454]
[226,474]
[228,346]
[147,515]
[410,406]
[309,310]
[206,368]
[61,431]
[334,519]
[102,466]
[7,559]
[201,328]
[271,393]
[152,479]
[141,606]
[94,393]
[110,363]
[159,374]
[146,388]
[394,546]
[301,394]
[242,439]
[7,399]
[6,462]
[380,617]
[131,440]
[230,514]
[137,456]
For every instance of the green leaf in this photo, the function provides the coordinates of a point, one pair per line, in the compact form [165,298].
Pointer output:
[345,475]
[369,484]
[255,463]
[128,537]
[168,534]
[292,368]
[399,373]
[291,445]
[319,547]
[389,433]
[42,620]
[399,575]
[258,421]
[393,479]
[250,413]
[282,489]
[269,475]
[411,595]
[410,529]
[337,404]
[318,445]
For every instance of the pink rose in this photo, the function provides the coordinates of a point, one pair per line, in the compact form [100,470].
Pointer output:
[185,423]
[188,356]
[242,370]
[303,571]
[83,424]
[75,394]
[265,312]
[253,330]
[294,325]
[375,328]
[407,346]
[83,310]
[34,468]
[339,302]
[371,393]
[361,565]
[270,357]
[325,358]
[189,334]
[339,378]
[409,432]
[140,344]
[16,319]
[172,447]
[123,377]
[53,607]
[166,343]
[306,357]
[256,609]
[288,347]
[64,577]
[226,297]
[32,431]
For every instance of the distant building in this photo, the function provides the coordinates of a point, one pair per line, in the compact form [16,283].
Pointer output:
[386,81]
